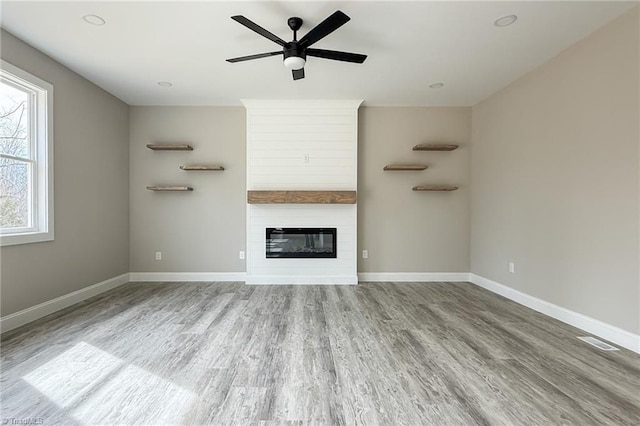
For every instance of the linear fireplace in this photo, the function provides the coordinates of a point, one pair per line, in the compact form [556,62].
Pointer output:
[301,243]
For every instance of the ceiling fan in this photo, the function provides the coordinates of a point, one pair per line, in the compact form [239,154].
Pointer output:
[296,51]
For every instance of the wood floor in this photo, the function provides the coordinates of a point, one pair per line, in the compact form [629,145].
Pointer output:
[377,353]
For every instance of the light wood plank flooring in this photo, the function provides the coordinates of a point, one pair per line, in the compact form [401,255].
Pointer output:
[377,353]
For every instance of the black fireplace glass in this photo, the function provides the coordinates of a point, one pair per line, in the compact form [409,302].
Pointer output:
[301,243]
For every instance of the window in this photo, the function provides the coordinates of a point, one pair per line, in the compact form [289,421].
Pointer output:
[26,157]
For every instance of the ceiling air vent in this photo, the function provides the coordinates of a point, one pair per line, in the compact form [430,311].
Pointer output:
[598,343]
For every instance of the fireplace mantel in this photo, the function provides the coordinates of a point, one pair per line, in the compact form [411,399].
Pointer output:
[301,197]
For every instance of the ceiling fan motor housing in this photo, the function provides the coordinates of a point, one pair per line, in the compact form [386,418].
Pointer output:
[294,49]
[291,54]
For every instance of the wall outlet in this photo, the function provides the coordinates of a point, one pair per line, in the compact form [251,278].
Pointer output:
[306,158]
[158,255]
[512,267]
[365,254]
[241,254]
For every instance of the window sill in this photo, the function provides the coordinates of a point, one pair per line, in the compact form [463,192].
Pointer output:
[27,238]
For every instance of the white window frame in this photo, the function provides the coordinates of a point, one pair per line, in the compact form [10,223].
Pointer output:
[42,145]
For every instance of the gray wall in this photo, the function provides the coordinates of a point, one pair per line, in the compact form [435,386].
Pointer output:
[199,231]
[91,186]
[555,179]
[405,230]
[202,231]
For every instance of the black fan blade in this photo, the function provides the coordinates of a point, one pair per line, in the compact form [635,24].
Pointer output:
[324,28]
[258,56]
[257,28]
[298,74]
[337,56]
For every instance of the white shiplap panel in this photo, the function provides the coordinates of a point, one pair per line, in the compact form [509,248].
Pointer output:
[297,173]
[294,162]
[303,145]
[301,119]
[283,149]
[275,128]
[343,138]
[315,178]
[285,154]
[302,186]
[274,185]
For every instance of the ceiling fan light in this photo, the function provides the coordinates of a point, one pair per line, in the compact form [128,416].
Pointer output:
[294,62]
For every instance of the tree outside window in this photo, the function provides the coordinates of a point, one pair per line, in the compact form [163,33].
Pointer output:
[16,164]
[26,166]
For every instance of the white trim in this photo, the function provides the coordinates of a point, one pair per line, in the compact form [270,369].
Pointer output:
[186,276]
[614,334]
[42,126]
[301,280]
[33,313]
[413,276]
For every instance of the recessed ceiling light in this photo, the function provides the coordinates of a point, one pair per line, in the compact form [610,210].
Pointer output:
[505,21]
[436,85]
[165,83]
[94,19]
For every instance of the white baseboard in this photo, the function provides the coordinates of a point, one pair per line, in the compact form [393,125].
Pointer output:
[289,280]
[413,276]
[33,313]
[186,276]
[293,280]
[593,326]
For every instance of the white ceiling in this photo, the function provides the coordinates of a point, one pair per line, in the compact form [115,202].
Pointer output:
[410,46]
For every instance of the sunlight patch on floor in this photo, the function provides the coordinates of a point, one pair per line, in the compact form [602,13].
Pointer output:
[89,383]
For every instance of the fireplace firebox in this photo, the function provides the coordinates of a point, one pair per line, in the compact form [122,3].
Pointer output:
[301,243]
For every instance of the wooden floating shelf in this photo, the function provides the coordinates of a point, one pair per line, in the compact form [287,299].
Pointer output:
[434,147]
[170,147]
[435,188]
[301,197]
[405,167]
[174,188]
[202,168]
